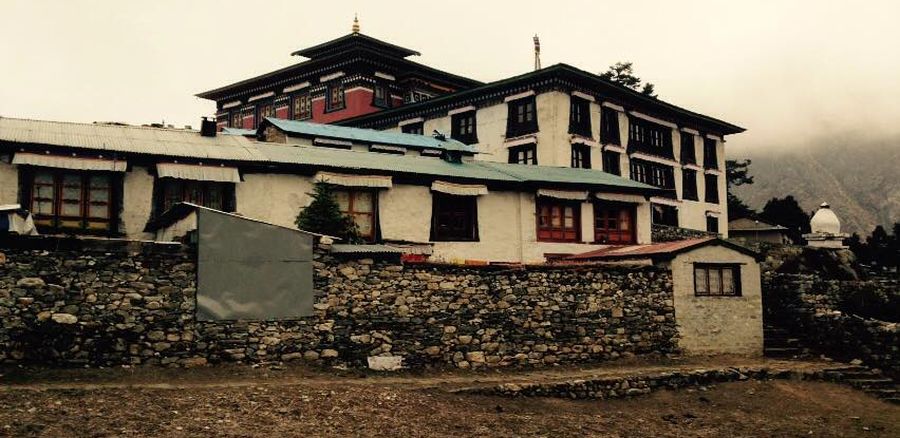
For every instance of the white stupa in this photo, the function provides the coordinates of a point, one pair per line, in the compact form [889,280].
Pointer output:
[826,229]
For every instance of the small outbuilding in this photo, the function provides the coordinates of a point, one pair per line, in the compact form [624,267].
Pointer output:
[716,290]
[755,230]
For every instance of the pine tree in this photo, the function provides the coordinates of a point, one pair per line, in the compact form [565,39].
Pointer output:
[787,212]
[737,174]
[324,216]
[622,73]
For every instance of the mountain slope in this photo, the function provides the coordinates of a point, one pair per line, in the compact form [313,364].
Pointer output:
[861,180]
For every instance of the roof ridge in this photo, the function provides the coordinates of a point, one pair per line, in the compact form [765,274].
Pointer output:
[108,124]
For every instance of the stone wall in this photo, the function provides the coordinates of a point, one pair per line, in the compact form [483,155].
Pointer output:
[666,233]
[68,302]
[807,304]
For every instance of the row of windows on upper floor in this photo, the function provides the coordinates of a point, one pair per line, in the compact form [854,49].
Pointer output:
[643,135]
[89,202]
[299,105]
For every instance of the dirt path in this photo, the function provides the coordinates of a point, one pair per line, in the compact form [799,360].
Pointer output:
[245,376]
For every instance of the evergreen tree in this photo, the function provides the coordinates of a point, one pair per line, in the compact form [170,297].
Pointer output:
[324,216]
[787,212]
[623,74]
[736,174]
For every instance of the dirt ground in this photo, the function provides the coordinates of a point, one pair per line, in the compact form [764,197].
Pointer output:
[244,402]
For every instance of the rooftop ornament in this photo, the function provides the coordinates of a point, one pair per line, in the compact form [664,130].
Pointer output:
[355,27]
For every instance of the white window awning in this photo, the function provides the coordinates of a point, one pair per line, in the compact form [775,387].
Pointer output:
[459,189]
[74,163]
[198,173]
[347,180]
[573,195]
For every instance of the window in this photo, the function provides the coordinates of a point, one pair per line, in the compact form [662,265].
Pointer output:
[712,188]
[664,215]
[302,106]
[522,117]
[249,118]
[689,184]
[265,110]
[558,221]
[712,224]
[237,120]
[526,154]
[652,173]
[381,96]
[335,100]
[710,161]
[688,155]
[414,128]
[614,223]
[454,218]
[579,116]
[360,205]
[463,127]
[609,126]
[217,195]
[69,200]
[581,156]
[649,137]
[717,280]
[611,163]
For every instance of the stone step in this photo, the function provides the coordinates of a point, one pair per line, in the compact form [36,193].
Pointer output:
[870,383]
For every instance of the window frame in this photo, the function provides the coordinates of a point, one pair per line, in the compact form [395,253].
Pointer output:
[560,233]
[609,126]
[667,212]
[456,127]
[330,93]
[27,178]
[580,116]
[608,157]
[236,119]
[516,151]
[710,228]
[602,235]
[689,176]
[711,196]
[710,154]
[654,174]
[263,110]
[516,128]
[385,101]
[687,144]
[651,138]
[373,214]
[581,156]
[469,208]
[708,268]
[297,102]
[161,204]
[416,128]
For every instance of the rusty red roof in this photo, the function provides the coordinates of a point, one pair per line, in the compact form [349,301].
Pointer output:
[655,250]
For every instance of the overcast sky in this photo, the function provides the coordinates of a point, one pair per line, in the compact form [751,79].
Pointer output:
[785,70]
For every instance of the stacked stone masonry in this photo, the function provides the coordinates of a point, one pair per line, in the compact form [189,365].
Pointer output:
[133,303]
[808,304]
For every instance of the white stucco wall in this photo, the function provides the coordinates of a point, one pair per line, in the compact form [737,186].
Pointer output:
[720,325]
[137,202]
[272,197]
[405,213]
[9,183]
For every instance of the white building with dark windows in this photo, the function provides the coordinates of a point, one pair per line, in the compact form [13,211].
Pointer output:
[561,116]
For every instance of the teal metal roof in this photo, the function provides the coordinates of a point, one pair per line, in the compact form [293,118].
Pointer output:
[564,175]
[372,161]
[470,170]
[371,136]
[239,131]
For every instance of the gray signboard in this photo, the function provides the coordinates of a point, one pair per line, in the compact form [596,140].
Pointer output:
[251,270]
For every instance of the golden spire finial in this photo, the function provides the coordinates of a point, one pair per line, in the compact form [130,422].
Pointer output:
[355,24]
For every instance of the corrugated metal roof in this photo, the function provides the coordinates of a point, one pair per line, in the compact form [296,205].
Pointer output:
[364,249]
[655,250]
[566,175]
[239,131]
[340,158]
[369,136]
[128,139]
